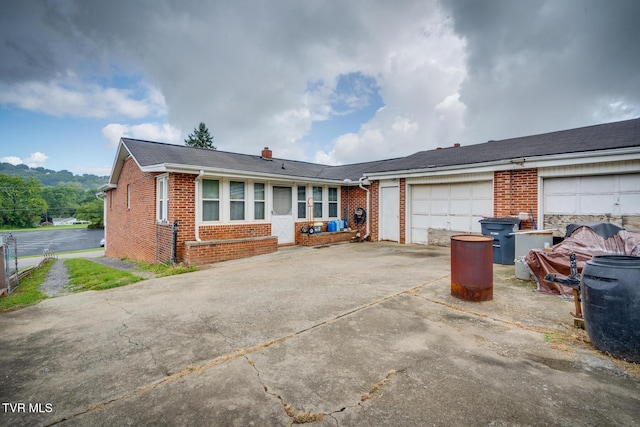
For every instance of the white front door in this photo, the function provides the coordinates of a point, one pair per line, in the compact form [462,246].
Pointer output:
[390,221]
[282,221]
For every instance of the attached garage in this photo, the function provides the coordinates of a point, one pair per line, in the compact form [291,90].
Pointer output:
[610,197]
[438,210]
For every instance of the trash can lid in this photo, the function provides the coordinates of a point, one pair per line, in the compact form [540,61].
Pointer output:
[507,220]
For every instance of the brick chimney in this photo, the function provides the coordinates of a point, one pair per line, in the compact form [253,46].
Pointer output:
[456,145]
[267,154]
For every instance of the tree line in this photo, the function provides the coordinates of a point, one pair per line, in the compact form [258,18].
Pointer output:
[24,202]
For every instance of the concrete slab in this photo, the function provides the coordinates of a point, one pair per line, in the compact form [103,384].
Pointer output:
[352,334]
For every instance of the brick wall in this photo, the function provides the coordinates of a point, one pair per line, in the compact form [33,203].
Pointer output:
[209,252]
[234,231]
[131,232]
[182,208]
[515,191]
[352,198]
[374,214]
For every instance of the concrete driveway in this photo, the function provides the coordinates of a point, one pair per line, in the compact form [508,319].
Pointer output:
[352,334]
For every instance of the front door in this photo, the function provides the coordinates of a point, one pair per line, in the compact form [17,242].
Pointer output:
[282,221]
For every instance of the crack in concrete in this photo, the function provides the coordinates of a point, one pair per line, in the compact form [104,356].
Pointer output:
[131,341]
[195,369]
[304,417]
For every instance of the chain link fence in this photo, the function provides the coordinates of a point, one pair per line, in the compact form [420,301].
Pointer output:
[9,277]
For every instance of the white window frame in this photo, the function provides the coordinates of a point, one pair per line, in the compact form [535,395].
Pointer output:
[162,198]
[243,200]
[335,202]
[263,201]
[203,199]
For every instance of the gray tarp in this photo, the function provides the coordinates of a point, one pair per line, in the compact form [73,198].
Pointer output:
[585,243]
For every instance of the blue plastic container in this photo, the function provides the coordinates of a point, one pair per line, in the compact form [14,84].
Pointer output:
[332,226]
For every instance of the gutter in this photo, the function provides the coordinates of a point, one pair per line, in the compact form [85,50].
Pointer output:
[234,173]
[360,184]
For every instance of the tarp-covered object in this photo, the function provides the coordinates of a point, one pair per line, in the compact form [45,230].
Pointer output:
[586,243]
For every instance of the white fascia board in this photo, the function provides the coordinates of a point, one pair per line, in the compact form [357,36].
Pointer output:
[618,154]
[195,170]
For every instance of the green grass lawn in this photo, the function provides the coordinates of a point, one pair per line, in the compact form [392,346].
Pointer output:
[28,292]
[85,275]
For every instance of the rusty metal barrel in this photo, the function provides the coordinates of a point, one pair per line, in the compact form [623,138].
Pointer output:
[472,267]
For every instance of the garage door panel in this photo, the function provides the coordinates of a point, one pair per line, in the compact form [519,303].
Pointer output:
[460,223]
[460,207]
[419,235]
[482,190]
[597,184]
[565,204]
[420,221]
[439,221]
[460,191]
[440,191]
[561,186]
[476,227]
[481,207]
[439,207]
[596,204]
[420,207]
[630,203]
[630,183]
[420,192]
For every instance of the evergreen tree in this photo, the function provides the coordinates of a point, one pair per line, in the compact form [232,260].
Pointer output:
[200,138]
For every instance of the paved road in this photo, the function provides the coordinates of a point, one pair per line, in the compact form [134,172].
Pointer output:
[348,335]
[35,242]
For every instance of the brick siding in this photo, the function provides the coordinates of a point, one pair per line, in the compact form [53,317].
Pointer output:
[352,198]
[515,191]
[374,215]
[131,232]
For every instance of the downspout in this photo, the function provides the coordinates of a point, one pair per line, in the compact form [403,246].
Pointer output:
[368,210]
[198,182]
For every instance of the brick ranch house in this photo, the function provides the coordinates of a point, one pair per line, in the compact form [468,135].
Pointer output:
[200,206]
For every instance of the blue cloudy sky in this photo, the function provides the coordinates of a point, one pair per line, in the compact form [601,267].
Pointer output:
[325,81]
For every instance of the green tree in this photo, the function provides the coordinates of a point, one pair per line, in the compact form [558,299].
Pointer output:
[200,138]
[92,211]
[62,200]
[21,202]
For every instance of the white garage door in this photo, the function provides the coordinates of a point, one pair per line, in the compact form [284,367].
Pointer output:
[453,207]
[593,195]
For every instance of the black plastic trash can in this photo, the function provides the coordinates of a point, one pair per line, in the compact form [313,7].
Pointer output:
[504,242]
[611,304]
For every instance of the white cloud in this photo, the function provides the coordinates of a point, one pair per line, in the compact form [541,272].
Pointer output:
[146,131]
[35,160]
[71,97]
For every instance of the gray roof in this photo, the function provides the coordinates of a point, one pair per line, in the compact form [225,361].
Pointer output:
[592,138]
[608,136]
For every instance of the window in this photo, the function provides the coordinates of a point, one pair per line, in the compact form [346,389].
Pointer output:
[210,200]
[317,202]
[162,198]
[128,196]
[258,200]
[302,201]
[236,196]
[333,202]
